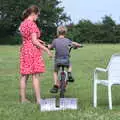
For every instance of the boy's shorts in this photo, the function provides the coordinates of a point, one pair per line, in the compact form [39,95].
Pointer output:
[61,61]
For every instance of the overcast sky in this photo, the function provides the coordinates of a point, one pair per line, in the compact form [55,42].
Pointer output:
[93,10]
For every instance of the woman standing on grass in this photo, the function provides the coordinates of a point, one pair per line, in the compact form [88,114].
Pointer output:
[31,60]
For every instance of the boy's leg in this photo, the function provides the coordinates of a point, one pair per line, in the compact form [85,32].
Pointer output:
[70,77]
[55,76]
[55,87]
[70,68]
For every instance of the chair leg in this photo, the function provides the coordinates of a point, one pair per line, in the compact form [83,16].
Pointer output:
[95,94]
[109,96]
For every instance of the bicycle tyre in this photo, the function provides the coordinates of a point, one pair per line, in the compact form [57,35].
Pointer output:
[62,84]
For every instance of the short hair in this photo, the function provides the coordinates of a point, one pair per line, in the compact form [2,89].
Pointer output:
[61,30]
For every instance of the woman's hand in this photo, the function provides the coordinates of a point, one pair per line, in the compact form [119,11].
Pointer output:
[40,44]
[49,53]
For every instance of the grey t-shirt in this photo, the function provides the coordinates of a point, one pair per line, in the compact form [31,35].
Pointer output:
[61,46]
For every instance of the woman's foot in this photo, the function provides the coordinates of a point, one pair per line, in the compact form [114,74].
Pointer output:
[25,101]
[38,102]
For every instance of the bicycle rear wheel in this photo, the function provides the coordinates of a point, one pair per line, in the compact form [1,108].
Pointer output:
[62,84]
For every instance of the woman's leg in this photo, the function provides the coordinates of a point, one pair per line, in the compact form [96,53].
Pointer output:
[23,83]
[36,86]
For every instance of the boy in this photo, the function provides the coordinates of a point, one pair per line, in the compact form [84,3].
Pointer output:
[61,52]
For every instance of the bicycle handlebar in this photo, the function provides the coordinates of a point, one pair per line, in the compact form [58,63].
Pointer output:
[74,47]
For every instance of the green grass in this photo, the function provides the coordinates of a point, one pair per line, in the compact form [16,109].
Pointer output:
[83,61]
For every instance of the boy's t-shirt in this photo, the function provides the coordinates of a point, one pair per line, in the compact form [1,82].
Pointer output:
[61,46]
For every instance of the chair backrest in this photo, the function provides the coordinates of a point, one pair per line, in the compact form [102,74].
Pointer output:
[114,68]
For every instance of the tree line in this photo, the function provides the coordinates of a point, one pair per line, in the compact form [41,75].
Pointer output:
[106,31]
[51,16]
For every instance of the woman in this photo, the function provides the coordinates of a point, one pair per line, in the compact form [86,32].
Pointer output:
[31,60]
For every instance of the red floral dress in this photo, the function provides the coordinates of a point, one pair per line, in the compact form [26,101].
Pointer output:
[31,60]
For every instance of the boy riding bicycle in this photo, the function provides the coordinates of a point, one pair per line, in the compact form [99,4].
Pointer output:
[61,45]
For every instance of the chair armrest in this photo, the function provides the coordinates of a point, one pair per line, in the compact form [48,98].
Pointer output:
[100,70]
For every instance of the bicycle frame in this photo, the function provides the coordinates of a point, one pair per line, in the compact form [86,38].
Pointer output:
[63,77]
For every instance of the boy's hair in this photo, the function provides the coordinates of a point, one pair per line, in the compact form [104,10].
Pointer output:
[61,30]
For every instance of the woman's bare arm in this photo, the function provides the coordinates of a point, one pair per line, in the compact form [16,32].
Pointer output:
[39,45]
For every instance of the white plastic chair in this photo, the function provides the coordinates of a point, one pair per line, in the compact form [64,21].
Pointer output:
[113,73]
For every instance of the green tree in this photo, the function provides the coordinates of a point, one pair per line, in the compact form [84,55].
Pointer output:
[106,31]
[82,32]
[51,16]
[107,28]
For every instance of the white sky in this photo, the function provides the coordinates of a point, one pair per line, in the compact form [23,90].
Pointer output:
[93,10]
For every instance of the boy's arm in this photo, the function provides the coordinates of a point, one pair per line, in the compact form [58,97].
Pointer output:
[76,44]
[51,46]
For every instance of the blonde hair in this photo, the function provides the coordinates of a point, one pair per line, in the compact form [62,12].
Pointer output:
[61,30]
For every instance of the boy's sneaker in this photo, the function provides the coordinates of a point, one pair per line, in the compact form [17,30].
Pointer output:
[70,77]
[54,89]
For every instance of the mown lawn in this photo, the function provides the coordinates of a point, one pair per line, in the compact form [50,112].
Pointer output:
[83,61]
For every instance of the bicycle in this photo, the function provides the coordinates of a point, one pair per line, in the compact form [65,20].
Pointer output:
[62,73]
[61,103]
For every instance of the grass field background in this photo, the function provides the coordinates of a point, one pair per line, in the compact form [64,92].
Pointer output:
[83,61]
